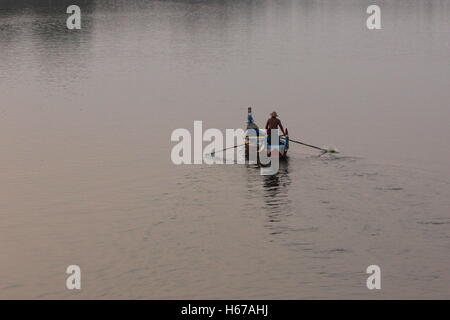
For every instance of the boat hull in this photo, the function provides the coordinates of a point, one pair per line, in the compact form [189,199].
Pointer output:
[259,143]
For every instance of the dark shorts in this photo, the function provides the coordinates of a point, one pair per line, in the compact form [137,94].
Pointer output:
[252,126]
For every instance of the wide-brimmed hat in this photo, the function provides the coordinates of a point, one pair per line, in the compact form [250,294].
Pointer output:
[274,114]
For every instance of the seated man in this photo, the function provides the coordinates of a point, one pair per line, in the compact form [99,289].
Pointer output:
[250,123]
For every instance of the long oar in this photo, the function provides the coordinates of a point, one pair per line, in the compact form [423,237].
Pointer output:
[233,147]
[330,150]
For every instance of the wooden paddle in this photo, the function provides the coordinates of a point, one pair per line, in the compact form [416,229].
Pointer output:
[330,150]
[239,145]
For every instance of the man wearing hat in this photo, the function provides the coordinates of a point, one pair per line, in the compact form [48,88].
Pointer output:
[272,124]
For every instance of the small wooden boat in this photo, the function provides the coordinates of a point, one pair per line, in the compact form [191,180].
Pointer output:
[257,140]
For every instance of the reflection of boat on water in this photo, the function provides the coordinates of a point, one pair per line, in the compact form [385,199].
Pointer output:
[277,205]
[256,141]
[273,189]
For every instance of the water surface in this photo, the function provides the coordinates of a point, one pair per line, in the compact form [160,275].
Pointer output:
[86,177]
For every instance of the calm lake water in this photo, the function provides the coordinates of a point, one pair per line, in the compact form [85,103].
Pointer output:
[85,170]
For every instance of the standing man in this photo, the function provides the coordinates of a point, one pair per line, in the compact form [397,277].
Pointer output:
[273,124]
